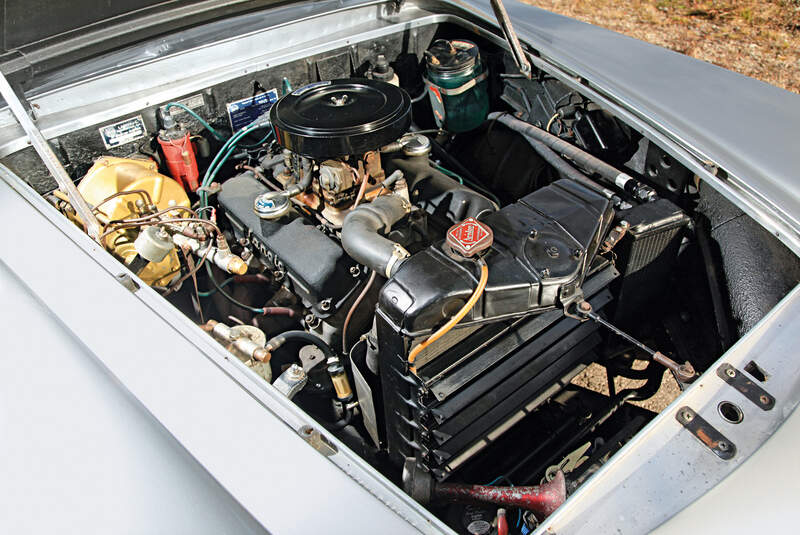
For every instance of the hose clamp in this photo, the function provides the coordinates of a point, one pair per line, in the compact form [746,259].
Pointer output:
[398,255]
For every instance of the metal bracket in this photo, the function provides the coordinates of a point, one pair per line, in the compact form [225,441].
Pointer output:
[748,388]
[706,433]
[317,441]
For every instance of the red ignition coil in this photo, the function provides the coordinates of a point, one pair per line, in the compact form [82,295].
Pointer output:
[179,154]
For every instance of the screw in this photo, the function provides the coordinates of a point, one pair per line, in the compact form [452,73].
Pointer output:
[730,372]
[355,271]
[763,399]
[325,305]
[723,446]
[688,416]
[584,306]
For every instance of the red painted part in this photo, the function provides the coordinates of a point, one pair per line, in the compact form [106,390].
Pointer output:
[541,499]
[469,237]
[181,160]
[502,523]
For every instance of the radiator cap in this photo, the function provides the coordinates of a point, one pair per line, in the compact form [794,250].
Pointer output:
[469,237]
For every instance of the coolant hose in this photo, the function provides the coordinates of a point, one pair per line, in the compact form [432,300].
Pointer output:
[609,173]
[444,329]
[361,236]
[301,336]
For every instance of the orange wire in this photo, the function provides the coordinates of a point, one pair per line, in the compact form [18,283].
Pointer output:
[455,319]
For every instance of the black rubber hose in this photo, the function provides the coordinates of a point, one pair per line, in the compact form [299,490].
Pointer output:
[301,336]
[361,236]
[610,174]
[565,168]
[340,424]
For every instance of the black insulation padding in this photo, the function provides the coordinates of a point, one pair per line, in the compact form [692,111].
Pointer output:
[758,270]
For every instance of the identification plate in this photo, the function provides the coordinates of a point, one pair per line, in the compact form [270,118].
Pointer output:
[243,112]
[123,132]
[194,102]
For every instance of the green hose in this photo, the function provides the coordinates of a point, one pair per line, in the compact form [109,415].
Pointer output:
[193,114]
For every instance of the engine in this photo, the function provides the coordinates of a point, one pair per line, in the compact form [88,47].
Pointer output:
[386,219]
[425,287]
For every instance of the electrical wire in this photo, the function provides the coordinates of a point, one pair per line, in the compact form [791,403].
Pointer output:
[551,121]
[199,119]
[468,182]
[222,156]
[353,308]
[510,484]
[212,291]
[444,329]
[227,296]
[191,273]
[361,191]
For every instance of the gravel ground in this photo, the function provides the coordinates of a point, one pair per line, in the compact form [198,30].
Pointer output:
[594,378]
[760,39]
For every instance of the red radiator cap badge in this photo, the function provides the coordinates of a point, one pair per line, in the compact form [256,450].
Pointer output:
[469,237]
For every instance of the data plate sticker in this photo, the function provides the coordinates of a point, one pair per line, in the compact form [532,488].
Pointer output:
[243,112]
[123,132]
[194,102]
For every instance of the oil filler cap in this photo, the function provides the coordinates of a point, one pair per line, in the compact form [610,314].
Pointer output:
[469,237]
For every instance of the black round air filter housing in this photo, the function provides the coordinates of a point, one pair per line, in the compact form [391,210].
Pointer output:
[341,117]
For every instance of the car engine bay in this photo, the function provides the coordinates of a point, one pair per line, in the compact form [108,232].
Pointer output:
[423,249]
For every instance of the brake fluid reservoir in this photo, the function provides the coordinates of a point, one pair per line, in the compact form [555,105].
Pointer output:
[456,85]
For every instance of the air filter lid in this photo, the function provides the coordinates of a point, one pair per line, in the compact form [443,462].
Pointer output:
[341,117]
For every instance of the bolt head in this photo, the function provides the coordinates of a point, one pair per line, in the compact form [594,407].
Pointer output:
[730,372]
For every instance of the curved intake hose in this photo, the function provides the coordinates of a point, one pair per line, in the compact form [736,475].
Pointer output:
[608,173]
[361,234]
[305,179]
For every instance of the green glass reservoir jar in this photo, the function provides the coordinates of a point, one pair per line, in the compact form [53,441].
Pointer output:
[456,84]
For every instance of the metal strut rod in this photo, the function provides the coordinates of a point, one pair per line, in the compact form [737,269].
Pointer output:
[684,372]
[517,52]
[50,159]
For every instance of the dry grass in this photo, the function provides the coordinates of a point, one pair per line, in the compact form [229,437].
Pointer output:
[756,38]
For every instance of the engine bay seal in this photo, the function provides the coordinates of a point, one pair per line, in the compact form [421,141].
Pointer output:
[341,117]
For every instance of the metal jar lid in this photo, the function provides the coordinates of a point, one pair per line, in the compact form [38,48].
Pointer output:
[449,58]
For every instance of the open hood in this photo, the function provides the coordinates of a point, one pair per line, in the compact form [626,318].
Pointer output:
[37,36]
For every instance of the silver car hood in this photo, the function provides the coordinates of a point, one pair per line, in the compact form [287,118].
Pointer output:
[745,127]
